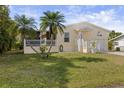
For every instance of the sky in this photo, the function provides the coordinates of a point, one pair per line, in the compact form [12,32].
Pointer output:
[109,17]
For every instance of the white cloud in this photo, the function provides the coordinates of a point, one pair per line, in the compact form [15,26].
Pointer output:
[107,18]
[29,12]
[26,10]
[104,18]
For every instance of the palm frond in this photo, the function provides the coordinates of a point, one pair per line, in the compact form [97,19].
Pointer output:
[53,21]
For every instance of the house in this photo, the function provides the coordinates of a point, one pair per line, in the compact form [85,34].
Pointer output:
[82,37]
[118,43]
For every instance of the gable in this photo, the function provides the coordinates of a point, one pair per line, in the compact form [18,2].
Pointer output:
[86,27]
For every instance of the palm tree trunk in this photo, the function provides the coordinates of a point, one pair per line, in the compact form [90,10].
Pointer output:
[23,36]
[51,44]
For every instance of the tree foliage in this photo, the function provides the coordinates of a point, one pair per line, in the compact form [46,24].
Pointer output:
[52,22]
[7,28]
[26,26]
[112,35]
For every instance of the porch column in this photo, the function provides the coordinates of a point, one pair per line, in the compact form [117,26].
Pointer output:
[80,42]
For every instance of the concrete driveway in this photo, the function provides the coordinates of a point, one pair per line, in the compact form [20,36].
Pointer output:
[117,53]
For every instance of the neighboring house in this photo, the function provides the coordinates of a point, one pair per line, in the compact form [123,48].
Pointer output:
[118,43]
[82,37]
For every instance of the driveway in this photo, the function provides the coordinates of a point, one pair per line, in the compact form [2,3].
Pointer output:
[117,53]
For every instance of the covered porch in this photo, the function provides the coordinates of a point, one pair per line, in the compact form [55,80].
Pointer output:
[82,40]
[42,38]
[86,44]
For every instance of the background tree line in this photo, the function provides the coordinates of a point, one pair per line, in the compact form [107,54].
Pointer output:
[21,26]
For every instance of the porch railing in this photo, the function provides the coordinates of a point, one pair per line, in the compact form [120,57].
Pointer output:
[39,42]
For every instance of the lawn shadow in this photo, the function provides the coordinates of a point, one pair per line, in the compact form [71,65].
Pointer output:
[51,72]
[54,72]
[90,59]
[55,75]
[14,52]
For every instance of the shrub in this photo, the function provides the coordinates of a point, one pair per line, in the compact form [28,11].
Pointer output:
[19,46]
[43,48]
[110,45]
[99,53]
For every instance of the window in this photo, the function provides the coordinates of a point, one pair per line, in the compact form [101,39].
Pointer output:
[66,37]
[99,34]
[116,43]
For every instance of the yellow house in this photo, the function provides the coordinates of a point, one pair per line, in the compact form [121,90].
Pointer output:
[79,37]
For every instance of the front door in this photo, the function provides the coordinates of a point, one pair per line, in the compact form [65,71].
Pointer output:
[100,45]
[80,42]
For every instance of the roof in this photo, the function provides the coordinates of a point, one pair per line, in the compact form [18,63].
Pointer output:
[89,24]
[117,37]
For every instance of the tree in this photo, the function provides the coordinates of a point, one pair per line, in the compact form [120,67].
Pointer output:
[112,35]
[13,33]
[26,26]
[4,25]
[8,30]
[53,22]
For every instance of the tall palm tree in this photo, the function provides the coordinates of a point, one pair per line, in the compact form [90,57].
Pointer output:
[53,22]
[25,25]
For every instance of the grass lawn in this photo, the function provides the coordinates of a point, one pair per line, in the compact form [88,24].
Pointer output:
[61,70]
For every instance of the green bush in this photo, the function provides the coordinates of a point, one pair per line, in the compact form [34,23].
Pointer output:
[110,45]
[99,53]
[43,48]
[19,46]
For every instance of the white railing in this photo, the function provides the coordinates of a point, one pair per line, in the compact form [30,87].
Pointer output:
[39,42]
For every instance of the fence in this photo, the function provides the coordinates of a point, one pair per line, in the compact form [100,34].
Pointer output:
[40,42]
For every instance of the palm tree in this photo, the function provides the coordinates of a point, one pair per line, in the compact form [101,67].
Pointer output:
[25,25]
[53,22]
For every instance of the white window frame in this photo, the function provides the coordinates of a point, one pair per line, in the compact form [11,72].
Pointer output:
[116,43]
[67,37]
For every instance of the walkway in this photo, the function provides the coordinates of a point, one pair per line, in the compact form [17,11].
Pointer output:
[117,53]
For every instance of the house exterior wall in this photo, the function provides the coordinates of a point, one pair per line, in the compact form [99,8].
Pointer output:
[67,46]
[120,44]
[87,35]
[101,41]
[73,37]
[122,48]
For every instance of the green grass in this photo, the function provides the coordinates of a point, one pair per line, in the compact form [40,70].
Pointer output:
[61,70]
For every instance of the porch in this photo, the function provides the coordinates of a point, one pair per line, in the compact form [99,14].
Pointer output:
[36,44]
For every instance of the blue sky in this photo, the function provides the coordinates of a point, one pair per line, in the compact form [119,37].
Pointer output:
[110,17]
